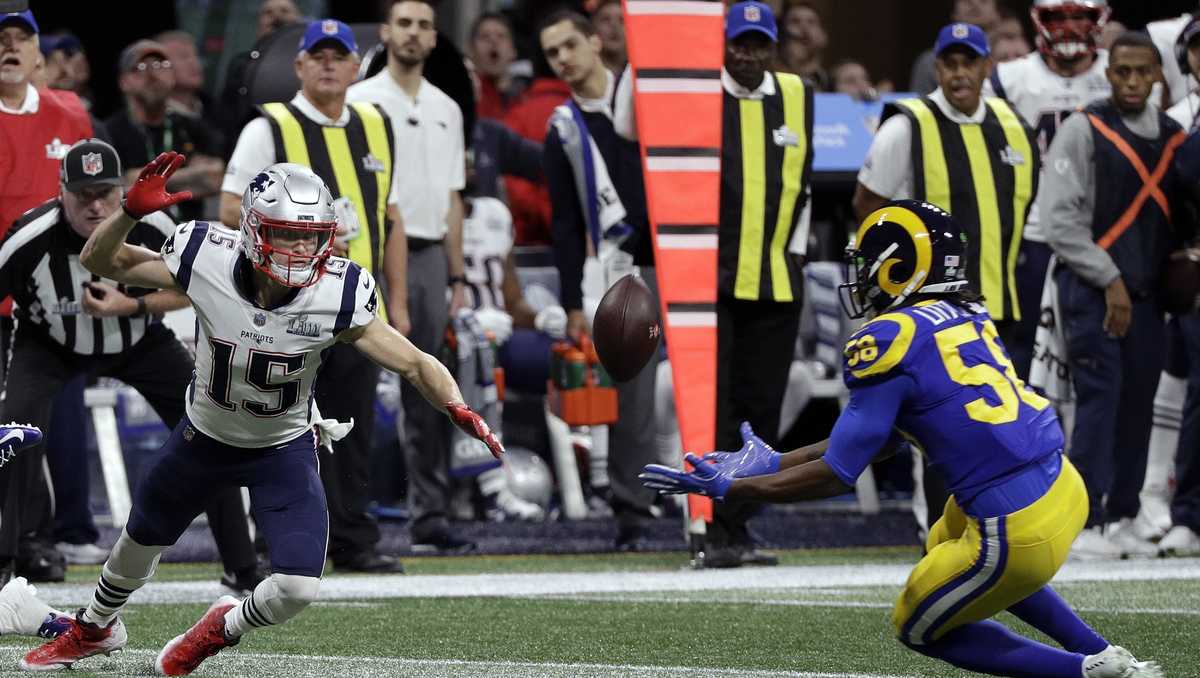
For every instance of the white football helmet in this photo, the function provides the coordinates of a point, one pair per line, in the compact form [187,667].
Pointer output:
[1062,37]
[285,208]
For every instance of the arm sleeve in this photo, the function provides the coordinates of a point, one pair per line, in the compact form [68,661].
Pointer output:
[519,156]
[888,166]
[255,150]
[1066,202]
[865,426]
[566,222]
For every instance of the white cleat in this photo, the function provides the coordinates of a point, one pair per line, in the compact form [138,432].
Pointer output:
[1091,544]
[82,554]
[1123,535]
[1117,662]
[1180,541]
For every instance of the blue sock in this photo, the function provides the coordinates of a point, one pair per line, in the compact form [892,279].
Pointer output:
[1047,612]
[989,647]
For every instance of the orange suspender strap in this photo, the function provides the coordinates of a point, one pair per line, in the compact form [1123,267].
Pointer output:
[1150,188]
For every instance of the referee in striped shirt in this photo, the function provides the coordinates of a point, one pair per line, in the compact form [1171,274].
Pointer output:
[70,323]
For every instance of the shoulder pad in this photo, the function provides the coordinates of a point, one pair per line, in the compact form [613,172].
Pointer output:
[878,347]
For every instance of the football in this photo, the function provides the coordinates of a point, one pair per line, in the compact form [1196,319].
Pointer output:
[626,329]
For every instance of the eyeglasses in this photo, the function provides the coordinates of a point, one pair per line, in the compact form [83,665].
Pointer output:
[155,65]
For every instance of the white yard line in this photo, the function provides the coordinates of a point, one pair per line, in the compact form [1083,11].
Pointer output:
[801,578]
[236,664]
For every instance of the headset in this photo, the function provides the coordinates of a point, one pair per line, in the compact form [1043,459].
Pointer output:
[1190,31]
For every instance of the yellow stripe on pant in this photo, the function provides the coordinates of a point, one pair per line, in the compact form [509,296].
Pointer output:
[976,568]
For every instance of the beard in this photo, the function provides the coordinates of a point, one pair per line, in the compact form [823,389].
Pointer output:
[410,58]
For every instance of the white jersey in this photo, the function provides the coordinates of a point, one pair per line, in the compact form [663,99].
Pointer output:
[1164,34]
[253,383]
[487,241]
[1045,99]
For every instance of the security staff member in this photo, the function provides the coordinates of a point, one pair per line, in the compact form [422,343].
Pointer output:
[971,156]
[1111,188]
[350,148]
[71,323]
[975,158]
[766,161]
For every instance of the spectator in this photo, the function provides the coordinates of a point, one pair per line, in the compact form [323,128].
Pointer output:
[609,21]
[990,199]
[529,201]
[1065,74]
[123,338]
[66,65]
[762,236]
[308,130]
[189,96]
[1114,243]
[430,163]
[146,127]
[982,13]
[851,77]
[613,232]
[493,54]
[1007,37]
[495,152]
[803,47]
[235,108]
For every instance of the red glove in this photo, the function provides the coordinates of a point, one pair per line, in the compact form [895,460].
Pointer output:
[473,425]
[149,193]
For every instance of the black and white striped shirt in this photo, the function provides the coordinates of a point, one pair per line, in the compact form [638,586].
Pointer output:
[39,267]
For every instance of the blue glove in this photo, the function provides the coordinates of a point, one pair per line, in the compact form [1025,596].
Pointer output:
[756,458]
[705,479]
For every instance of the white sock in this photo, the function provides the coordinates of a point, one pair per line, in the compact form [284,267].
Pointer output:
[128,568]
[275,600]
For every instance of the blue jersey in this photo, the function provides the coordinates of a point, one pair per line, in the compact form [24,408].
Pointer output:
[937,373]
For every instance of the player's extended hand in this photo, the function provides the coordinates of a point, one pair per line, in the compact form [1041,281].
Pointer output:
[473,425]
[149,193]
[756,458]
[706,479]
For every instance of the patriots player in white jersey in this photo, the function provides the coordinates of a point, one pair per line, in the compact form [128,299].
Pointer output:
[1065,73]
[269,300]
[523,329]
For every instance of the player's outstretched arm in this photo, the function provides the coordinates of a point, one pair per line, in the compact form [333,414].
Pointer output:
[393,351]
[106,252]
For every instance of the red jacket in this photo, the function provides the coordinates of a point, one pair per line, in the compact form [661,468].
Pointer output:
[32,147]
[528,201]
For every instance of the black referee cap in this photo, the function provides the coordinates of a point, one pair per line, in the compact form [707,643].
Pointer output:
[91,162]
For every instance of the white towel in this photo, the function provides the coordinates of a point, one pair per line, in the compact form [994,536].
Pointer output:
[1050,370]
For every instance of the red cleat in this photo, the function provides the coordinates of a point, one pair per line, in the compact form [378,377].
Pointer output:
[79,641]
[182,655]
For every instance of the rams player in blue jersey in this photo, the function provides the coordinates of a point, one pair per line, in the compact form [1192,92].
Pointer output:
[928,367]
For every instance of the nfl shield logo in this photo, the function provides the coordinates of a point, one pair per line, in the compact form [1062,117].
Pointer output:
[260,319]
[753,14]
[960,31]
[329,27]
[93,164]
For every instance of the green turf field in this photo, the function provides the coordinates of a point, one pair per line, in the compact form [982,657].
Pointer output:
[821,613]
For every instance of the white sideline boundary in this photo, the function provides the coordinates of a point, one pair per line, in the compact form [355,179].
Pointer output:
[538,584]
[236,664]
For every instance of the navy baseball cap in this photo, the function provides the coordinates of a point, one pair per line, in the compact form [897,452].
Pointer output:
[90,162]
[968,35]
[25,18]
[328,29]
[750,16]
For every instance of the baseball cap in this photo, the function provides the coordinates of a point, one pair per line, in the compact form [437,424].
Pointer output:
[88,163]
[328,29]
[25,18]
[132,55]
[968,35]
[750,16]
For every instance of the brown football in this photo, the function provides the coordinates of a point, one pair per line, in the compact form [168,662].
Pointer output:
[626,329]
